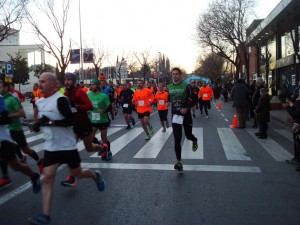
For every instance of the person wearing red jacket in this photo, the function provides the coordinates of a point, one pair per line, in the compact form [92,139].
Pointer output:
[80,105]
[206,93]
[161,98]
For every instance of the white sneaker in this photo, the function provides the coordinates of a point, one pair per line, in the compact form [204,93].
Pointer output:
[206,117]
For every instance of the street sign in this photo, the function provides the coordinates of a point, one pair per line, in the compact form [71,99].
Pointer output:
[9,69]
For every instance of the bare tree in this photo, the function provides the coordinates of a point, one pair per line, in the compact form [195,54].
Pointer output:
[145,63]
[11,15]
[57,27]
[222,29]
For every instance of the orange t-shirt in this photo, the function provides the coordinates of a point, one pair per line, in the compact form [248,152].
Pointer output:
[206,93]
[36,95]
[161,98]
[142,98]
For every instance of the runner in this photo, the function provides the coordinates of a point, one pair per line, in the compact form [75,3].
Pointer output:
[195,91]
[206,93]
[16,111]
[126,96]
[180,98]
[99,116]
[83,129]
[161,98]
[143,99]
[8,148]
[55,120]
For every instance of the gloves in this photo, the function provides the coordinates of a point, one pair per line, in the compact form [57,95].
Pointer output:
[44,121]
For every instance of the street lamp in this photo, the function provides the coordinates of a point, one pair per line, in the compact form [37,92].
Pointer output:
[81,53]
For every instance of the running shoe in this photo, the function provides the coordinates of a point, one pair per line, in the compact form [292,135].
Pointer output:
[108,156]
[178,166]
[36,183]
[151,130]
[164,130]
[206,117]
[99,181]
[105,149]
[195,145]
[40,164]
[69,182]
[5,181]
[133,122]
[40,219]
[147,138]
[128,127]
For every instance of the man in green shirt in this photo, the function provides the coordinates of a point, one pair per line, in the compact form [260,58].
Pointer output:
[98,116]
[180,96]
[16,111]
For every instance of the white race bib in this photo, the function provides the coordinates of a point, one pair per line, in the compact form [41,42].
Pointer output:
[125,105]
[177,119]
[95,116]
[47,133]
[161,102]
[141,103]
[205,95]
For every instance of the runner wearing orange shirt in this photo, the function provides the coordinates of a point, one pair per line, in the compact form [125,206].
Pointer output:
[143,99]
[161,98]
[206,93]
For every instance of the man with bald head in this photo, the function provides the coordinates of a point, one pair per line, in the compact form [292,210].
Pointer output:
[55,120]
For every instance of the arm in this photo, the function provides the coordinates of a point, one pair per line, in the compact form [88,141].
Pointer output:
[64,108]
[86,104]
[17,114]
[4,118]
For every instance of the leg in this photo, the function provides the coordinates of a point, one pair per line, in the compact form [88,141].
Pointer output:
[177,132]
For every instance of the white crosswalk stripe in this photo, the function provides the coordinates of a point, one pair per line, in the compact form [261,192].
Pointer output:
[187,152]
[231,144]
[152,148]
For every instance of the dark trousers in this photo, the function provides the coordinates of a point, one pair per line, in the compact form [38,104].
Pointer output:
[296,146]
[263,128]
[177,132]
[240,110]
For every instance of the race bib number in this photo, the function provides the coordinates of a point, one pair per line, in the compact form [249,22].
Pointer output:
[47,133]
[141,103]
[125,105]
[95,116]
[177,119]
[161,102]
[205,95]
[73,109]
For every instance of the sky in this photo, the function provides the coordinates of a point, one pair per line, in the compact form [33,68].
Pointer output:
[121,27]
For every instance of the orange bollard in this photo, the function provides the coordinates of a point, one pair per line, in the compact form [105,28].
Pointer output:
[219,105]
[234,122]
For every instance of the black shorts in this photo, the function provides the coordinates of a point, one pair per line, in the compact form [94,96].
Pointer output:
[127,110]
[101,126]
[19,137]
[142,115]
[69,157]
[163,114]
[8,150]
[83,130]
[206,103]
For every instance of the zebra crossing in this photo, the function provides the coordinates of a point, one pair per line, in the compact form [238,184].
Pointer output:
[231,144]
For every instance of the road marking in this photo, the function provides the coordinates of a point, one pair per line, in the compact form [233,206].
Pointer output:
[152,148]
[204,168]
[187,152]
[231,145]
[122,141]
[273,148]
[284,133]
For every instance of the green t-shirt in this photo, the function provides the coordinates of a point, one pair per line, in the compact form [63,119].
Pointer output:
[178,96]
[99,101]
[13,105]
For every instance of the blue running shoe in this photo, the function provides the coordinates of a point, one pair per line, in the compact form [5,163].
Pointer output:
[40,219]
[99,181]
[36,183]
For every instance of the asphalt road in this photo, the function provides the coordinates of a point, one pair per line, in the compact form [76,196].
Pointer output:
[233,178]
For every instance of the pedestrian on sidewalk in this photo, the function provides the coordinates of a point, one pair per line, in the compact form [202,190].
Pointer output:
[263,113]
[293,109]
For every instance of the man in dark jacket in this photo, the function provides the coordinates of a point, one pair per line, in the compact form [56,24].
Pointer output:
[255,97]
[239,95]
[262,111]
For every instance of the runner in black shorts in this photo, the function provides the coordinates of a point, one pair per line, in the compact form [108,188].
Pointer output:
[126,100]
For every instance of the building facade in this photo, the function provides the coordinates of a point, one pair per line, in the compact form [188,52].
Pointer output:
[274,43]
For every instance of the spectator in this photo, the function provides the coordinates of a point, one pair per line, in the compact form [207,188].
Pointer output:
[263,113]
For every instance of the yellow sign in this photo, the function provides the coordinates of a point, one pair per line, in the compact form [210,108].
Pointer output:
[8,79]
